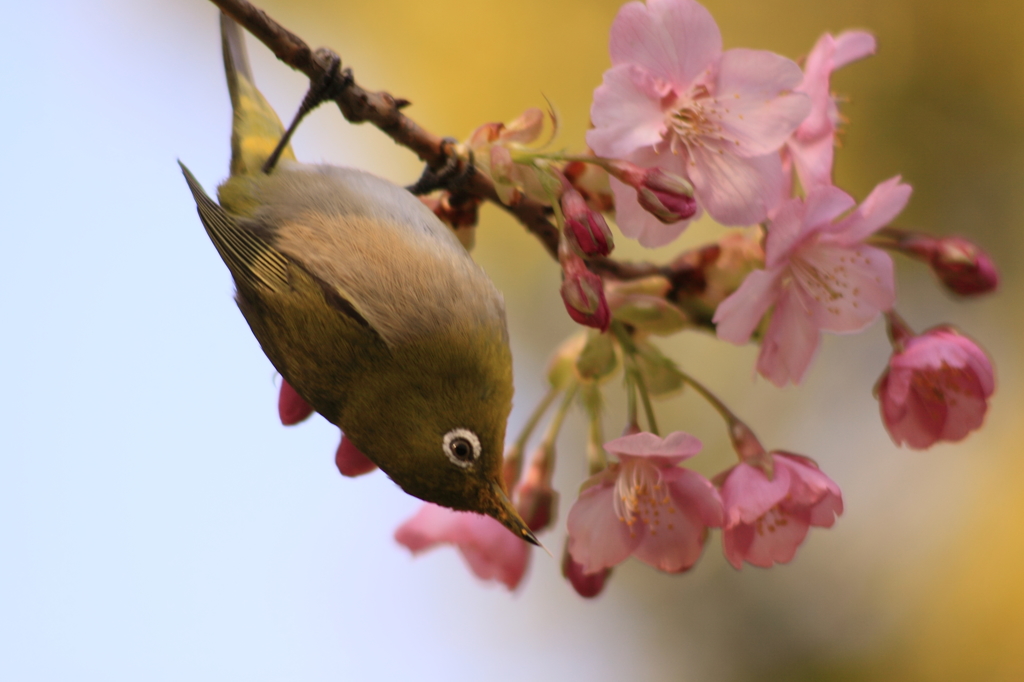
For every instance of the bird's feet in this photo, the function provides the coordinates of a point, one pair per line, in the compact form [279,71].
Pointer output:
[332,83]
[452,175]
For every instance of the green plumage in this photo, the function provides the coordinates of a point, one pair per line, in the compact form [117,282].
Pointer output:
[367,305]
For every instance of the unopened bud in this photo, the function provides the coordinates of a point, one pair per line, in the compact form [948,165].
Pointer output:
[963,267]
[585,229]
[587,585]
[666,196]
[536,500]
[583,294]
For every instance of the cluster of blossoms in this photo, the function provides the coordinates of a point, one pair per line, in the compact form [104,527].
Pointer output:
[682,128]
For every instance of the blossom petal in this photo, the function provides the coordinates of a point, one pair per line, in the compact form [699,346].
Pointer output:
[775,538]
[351,461]
[817,73]
[796,220]
[598,539]
[810,488]
[885,202]
[739,315]
[291,407]
[825,204]
[850,287]
[966,410]
[668,451]
[755,116]
[674,539]
[945,346]
[692,491]
[791,341]
[785,233]
[673,546]
[851,46]
[747,494]
[733,190]
[625,114]
[907,419]
[813,161]
[492,552]
[675,40]
[736,543]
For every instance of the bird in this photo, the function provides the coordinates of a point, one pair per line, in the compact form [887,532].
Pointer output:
[368,306]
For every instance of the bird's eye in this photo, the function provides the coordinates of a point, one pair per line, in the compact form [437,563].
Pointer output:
[462,447]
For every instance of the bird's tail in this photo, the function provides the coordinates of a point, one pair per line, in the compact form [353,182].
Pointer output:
[255,127]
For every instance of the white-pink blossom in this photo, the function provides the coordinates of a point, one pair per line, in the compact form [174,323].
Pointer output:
[491,551]
[766,520]
[644,506]
[675,100]
[936,388]
[812,145]
[819,275]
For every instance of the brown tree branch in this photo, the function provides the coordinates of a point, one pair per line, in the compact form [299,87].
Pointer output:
[383,110]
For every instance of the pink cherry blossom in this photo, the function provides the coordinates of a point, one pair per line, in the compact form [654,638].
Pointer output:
[766,520]
[492,552]
[819,275]
[812,145]
[644,506]
[290,406]
[675,100]
[351,461]
[936,388]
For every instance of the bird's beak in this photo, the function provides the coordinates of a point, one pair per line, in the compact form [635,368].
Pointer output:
[505,512]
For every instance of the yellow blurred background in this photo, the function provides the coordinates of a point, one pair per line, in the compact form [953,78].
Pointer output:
[922,578]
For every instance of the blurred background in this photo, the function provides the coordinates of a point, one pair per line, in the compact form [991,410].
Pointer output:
[157,522]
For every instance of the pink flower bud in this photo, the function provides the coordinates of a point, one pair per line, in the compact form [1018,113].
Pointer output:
[291,407]
[963,267]
[667,197]
[350,461]
[536,500]
[583,294]
[936,388]
[585,229]
[537,505]
[587,585]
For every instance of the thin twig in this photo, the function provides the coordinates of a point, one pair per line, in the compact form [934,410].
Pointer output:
[383,110]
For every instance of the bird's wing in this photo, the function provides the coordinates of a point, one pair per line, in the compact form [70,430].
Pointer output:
[255,261]
[249,257]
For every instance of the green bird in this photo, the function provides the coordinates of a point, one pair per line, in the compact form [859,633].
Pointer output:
[368,306]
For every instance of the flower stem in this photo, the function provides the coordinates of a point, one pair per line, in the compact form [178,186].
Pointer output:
[514,458]
[597,460]
[646,398]
[746,444]
[551,433]
[634,379]
[899,331]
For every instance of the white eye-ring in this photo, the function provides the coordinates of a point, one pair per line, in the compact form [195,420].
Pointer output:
[462,447]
